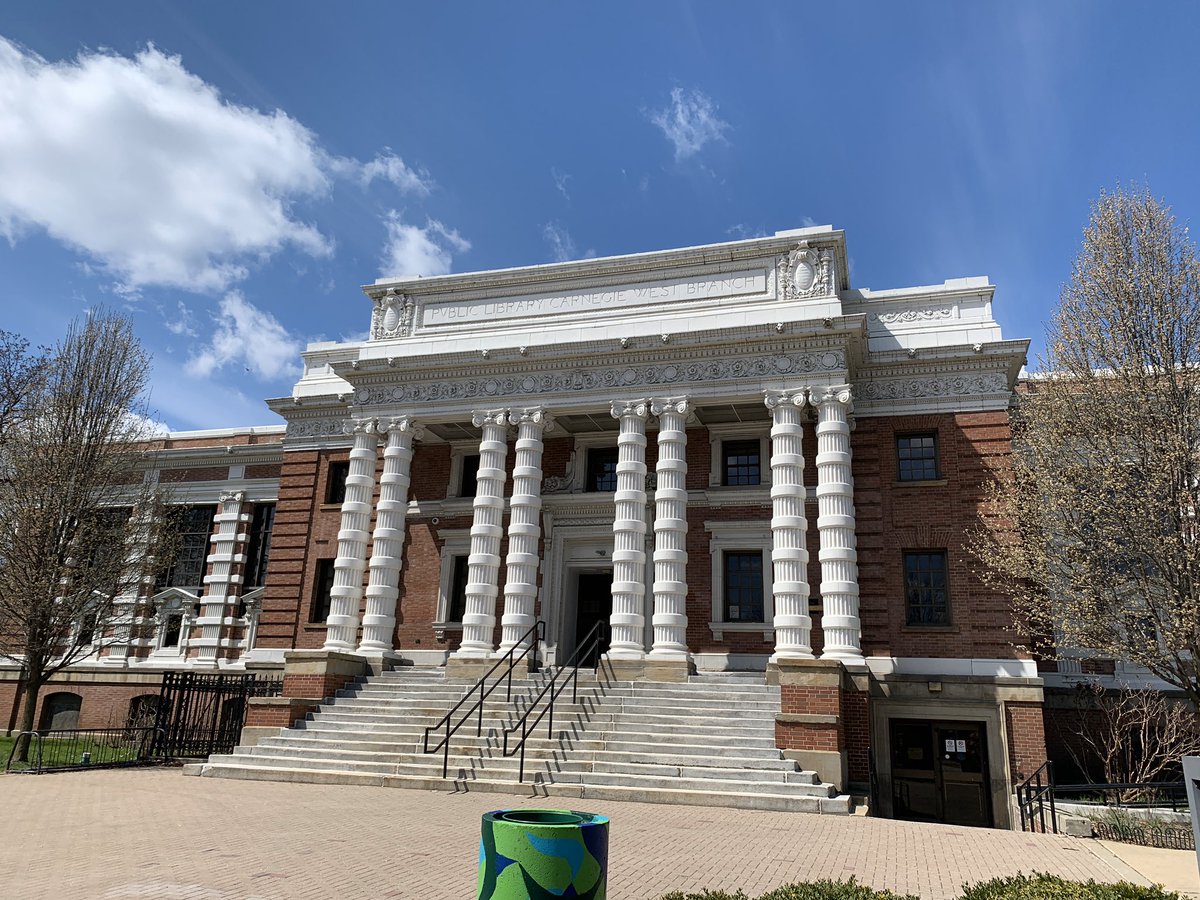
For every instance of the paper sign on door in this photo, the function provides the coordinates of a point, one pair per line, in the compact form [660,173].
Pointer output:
[960,746]
[950,745]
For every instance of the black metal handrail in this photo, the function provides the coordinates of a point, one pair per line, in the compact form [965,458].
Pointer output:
[1032,795]
[583,650]
[537,632]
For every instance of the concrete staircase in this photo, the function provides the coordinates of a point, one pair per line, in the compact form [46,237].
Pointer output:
[710,742]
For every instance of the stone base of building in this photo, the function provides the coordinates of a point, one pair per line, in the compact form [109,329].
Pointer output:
[266,715]
[665,670]
[321,673]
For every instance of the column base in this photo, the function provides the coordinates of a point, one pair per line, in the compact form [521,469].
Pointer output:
[469,669]
[647,669]
[384,660]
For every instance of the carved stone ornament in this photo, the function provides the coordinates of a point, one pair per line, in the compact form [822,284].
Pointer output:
[561,484]
[806,272]
[638,409]
[392,316]
[912,316]
[834,394]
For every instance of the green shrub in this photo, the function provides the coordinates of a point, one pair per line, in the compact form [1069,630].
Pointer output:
[1040,886]
[831,890]
[706,895]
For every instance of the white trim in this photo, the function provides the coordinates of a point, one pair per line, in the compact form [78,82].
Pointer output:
[455,542]
[988,668]
[459,449]
[583,443]
[740,536]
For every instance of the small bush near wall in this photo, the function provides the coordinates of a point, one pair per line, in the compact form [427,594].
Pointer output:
[807,890]
[1050,887]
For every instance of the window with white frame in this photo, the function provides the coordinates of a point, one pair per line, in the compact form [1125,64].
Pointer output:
[741,455]
[175,611]
[452,587]
[464,469]
[741,578]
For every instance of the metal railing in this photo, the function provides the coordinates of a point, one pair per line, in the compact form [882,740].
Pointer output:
[584,650]
[87,748]
[1034,794]
[526,644]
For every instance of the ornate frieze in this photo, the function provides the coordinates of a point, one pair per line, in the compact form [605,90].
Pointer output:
[913,316]
[806,272]
[628,377]
[935,386]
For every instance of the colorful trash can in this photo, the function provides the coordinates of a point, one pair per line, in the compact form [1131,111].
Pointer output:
[543,854]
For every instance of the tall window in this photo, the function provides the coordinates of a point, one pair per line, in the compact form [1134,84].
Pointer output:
[926,599]
[743,586]
[335,482]
[741,462]
[458,590]
[469,483]
[192,526]
[259,547]
[602,468]
[322,588]
[916,455]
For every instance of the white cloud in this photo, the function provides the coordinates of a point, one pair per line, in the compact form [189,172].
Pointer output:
[148,170]
[249,336]
[181,322]
[560,241]
[411,250]
[391,168]
[690,122]
[560,182]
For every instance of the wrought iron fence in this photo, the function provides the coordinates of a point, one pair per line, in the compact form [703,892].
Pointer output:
[200,713]
[83,748]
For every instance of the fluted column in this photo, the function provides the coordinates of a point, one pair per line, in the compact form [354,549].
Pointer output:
[629,534]
[789,527]
[524,526]
[483,565]
[835,523]
[387,546]
[346,595]
[221,587]
[670,531]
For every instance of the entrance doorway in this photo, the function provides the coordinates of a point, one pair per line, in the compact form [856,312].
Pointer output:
[940,772]
[593,604]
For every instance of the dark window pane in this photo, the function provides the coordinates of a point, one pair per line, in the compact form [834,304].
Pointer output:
[602,469]
[925,594]
[321,591]
[174,627]
[916,456]
[335,483]
[744,586]
[469,482]
[458,590]
[192,526]
[742,462]
[259,545]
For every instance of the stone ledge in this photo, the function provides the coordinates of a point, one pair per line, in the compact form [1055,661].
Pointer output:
[806,719]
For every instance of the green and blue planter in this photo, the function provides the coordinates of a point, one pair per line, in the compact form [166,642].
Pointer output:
[543,854]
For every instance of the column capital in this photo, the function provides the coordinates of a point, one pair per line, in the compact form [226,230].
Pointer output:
[774,399]
[232,496]
[680,405]
[836,393]
[481,417]
[360,426]
[533,415]
[637,409]
[402,424]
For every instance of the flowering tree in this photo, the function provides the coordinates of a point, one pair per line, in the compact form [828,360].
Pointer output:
[74,513]
[1093,529]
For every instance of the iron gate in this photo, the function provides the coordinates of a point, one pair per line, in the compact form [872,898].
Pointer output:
[200,713]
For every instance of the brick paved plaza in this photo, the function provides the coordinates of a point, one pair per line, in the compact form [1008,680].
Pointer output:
[156,834]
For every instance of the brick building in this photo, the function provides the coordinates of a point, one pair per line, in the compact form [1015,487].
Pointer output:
[727,454]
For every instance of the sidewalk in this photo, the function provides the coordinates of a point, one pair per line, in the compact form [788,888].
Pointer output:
[156,834]
[1173,869]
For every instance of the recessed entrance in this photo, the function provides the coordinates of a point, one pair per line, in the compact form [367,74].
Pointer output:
[593,603]
[940,772]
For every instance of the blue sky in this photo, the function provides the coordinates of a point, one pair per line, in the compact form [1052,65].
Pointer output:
[231,173]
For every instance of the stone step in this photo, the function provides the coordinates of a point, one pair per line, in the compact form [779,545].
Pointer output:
[765,800]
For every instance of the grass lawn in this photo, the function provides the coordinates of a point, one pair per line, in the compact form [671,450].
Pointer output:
[70,752]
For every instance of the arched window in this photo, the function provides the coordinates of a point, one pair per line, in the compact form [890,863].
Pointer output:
[60,711]
[143,710]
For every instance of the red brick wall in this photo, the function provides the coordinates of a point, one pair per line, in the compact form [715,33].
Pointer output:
[265,470]
[103,703]
[276,715]
[316,686]
[811,700]
[856,716]
[1026,738]
[205,473]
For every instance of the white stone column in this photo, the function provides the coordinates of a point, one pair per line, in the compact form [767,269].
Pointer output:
[628,621]
[670,531]
[789,527]
[347,592]
[524,526]
[835,522]
[483,565]
[387,546]
[222,587]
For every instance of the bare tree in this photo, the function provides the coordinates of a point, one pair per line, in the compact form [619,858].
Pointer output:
[1094,528]
[1135,735]
[75,517]
[20,374]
